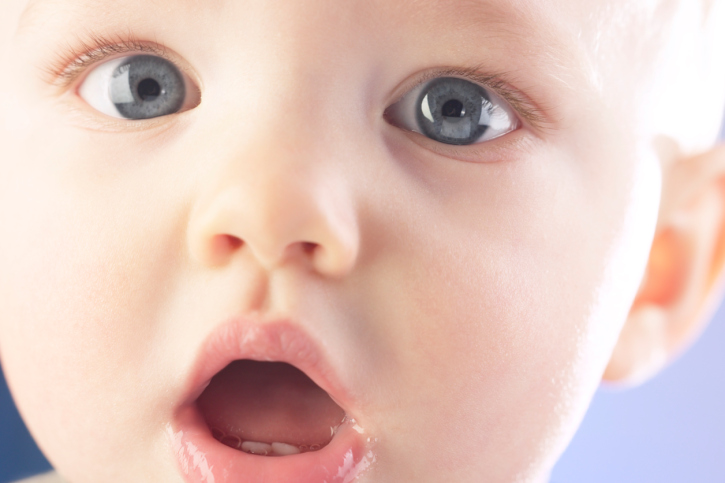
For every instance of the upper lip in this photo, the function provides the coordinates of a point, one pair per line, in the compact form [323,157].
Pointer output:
[254,338]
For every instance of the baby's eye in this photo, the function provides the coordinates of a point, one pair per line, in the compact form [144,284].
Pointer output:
[136,87]
[452,110]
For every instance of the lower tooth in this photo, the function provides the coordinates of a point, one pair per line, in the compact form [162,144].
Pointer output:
[283,449]
[256,448]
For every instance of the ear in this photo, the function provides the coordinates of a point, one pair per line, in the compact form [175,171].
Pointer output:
[682,283]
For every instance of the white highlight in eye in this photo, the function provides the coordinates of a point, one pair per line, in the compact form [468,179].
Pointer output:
[97,87]
[426,109]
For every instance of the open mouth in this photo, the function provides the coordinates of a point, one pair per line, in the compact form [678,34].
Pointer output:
[258,406]
[269,409]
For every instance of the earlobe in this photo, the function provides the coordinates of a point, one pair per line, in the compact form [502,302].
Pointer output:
[640,351]
[681,282]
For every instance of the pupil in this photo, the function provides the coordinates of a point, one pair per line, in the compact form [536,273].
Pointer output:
[453,108]
[148,89]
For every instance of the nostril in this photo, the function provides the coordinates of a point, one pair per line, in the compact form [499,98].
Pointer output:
[234,242]
[223,246]
[225,243]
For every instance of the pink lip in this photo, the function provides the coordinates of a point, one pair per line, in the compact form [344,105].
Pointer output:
[202,459]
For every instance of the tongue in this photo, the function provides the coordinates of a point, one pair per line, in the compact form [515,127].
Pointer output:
[269,402]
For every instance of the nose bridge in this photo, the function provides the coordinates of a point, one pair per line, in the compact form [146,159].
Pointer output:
[301,68]
[276,188]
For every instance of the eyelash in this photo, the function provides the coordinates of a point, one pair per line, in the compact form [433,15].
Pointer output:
[71,63]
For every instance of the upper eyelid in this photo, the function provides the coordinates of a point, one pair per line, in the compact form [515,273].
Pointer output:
[74,61]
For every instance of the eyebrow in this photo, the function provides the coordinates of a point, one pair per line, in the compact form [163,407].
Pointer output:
[524,24]
[35,10]
[31,15]
[26,17]
[491,12]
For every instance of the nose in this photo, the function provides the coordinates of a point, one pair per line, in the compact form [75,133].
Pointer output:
[278,205]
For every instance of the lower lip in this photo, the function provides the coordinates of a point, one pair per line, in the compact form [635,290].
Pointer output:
[203,459]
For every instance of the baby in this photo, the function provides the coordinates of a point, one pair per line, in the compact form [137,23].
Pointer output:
[363,240]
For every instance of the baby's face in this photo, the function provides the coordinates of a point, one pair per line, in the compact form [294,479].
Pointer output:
[439,210]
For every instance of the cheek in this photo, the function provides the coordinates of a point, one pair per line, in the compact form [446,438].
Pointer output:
[508,319]
[81,279]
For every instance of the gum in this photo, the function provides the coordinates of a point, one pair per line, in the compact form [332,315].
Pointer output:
[236,442]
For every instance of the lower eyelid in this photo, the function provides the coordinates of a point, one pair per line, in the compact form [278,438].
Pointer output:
[78,114]
[513,145]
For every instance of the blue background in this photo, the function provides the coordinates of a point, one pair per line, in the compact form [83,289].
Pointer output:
[670,430]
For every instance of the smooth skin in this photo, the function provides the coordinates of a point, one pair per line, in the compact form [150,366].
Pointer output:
[471,297]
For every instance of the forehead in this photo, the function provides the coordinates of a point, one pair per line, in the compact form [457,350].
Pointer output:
[531,13]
